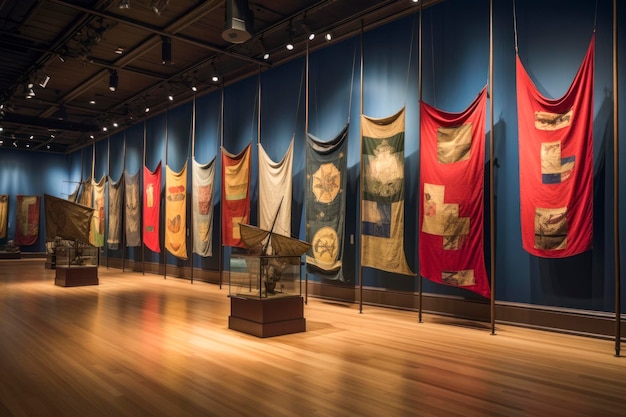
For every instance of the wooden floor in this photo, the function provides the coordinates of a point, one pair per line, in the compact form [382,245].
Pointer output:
[139,345]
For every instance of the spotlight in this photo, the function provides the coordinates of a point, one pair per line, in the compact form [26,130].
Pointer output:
[92,101]
[166,50]
[124,4]
[104,128]
[289,45]
[415,1]
[147,109]
[43,80]
[61,58]
[170,97]
[158,6]
[115,124]
[47,146]
[266,52]
[309,33]
[328,36]
[113,79]
[194,88]
[215,78]
[91,137]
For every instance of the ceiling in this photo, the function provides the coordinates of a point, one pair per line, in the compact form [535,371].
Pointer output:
[68,53]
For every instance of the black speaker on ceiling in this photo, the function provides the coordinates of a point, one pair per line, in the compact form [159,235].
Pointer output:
[238,26]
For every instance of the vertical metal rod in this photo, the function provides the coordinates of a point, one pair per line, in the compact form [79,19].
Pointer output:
[616,247]
[143,244]
[221,246]
[106,227]
[360,226]
[193,156]
[419,93]
[492,208]
[306,148]
[123,217]
[167,139]
[258,141]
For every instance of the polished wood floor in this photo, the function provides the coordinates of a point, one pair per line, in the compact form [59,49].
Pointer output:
[139,345]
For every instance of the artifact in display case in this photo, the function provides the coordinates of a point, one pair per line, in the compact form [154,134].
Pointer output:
[265,284]
[76,265]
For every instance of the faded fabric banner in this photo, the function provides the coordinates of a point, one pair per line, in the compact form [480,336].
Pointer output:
[452,158]
[151,207]
[98,219]
[382,162]
[66,219]
[27,220]
[556,164]
[132,218]
[203,183]
[85,195]
[275,186]
[114,230]
[4,214]
[73,196]
[325,196]
[176,211]
[235,195]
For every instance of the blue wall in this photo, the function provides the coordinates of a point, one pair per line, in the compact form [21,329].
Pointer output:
[553,36]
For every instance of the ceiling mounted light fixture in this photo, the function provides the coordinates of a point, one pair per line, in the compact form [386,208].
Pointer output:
[158,6]
[309,33]
[328,37]
[43,79]
[124,4]
[238,22]
[266,52]
[289,45]
[166,50]
[113,80]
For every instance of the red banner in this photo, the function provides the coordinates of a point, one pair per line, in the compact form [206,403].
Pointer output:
[27,220]
[151,207]
[556,164]
[235,195]
[452,157]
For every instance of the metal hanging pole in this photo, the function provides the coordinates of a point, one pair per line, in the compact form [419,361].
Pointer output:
[616,248]
[143,243]
[193,152]
[306,160]
[106,227]
[123,217]
[167,139]
[361,185]
[221,246]
[419,93]
[491,177]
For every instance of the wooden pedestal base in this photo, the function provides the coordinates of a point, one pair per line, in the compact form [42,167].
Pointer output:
[10,255]
[76,276]
[267,317]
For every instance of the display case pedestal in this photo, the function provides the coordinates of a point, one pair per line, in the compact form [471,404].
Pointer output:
[76,276]
[267,317]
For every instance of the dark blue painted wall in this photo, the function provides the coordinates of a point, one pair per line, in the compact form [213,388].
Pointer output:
[552,38]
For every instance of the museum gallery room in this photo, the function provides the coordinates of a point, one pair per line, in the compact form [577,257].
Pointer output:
[312,208]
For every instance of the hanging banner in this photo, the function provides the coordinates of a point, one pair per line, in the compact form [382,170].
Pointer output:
[382,227]
[325,196]
[98,219]
[151,207]
[67,220]
[176,212]
[4,214]
[235,195]
[85,195]
[452,158]
[275,191]
[74,195]
[27,220]
[203,183]
[132,219]
[114,231]
[556,164]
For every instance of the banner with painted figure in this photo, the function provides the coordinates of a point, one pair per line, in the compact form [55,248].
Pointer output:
[556,164]
[235,195]
[66,219]
[27,220]
[452,158]
[275,191]
[203,183]
[382,164]
[98,219]
[176,211]
[151,207]
[114,230]
[132,215]
[325,196]
[4,215]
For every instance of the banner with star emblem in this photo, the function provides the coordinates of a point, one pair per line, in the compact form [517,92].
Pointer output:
[556,164]
[382,182]
[326,173]
[452,154]
[151,207]
[275,191]
[235,195]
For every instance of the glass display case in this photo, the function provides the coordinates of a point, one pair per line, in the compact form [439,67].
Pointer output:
[76,265]
[263,277]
